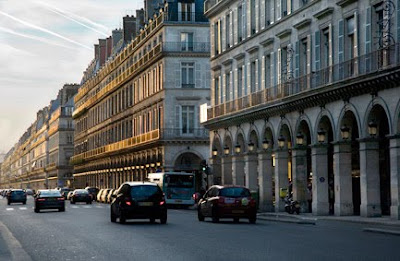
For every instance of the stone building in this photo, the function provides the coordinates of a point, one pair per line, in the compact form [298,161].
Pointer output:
[307,93]
[40,159]
[139,112]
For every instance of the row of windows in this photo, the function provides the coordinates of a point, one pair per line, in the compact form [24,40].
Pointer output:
[269,68]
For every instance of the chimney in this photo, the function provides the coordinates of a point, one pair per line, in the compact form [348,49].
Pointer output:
[109,44]
[96,51]
[129,27]
[139,20]
[102,46]
[116,37]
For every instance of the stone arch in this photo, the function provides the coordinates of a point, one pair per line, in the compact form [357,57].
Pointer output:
[187,160]
[285,130]
[303,121]
[228,142]
[268,133]
[378,101]
[346,109]
[253,136]
[324,113]
[217,143]
[396,119]
[240,139]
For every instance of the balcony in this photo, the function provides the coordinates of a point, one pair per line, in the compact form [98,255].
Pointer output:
[185,17]
[190,47]
[359,67]
[181,134]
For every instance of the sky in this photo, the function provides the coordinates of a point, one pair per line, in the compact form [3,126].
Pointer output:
[43,45]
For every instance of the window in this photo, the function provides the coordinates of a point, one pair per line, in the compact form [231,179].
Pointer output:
[186,41]
[253,16]
[227,31]
[253,75]
[187,119]
[303,56]
[187,75]
[240,23]
[186,12]
[227,86]
[240,81]
[325,48]
[267,71]
[216,90]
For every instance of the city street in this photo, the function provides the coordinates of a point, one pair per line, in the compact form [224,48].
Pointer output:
[84,232]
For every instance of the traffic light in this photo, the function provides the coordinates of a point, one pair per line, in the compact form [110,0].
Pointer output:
[203,166]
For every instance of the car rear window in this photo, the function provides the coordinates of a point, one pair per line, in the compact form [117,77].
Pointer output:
[145,192]
[234,192]
[81,192]
[18,192]
[50,193]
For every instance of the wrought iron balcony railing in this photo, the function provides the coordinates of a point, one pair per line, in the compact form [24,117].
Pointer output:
[185,17]
[358,67]
[184,133]
[196,47]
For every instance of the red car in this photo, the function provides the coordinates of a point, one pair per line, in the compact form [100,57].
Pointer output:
[227,202]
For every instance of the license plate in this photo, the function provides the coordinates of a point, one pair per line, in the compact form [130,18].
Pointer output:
[145,204]
[178,200]
[229,200]
[238,211]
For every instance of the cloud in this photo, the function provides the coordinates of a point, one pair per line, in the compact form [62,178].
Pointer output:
[44,30]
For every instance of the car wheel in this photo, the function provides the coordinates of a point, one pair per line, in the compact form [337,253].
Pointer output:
[24,202]
[122,218]
[72,202]
[8,202]
[199,215]
[90,202]
[236,220]
[62,209]
[163,220]
[87,203]
[252,220]
[36,210]
[152,220]
[113,217]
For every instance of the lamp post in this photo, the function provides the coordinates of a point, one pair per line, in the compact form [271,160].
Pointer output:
[372,128]
[345,132]
[214,152]
[281,142]
[321,136]
[251,146]
[237,148]
[226,150]
[299,139]
[265,144]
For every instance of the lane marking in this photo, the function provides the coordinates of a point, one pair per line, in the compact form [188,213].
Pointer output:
[9,209]
[87,206]
[23,208]
[99,206]
[74,207]
[17,252]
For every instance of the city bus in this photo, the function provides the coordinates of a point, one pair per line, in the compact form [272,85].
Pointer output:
[178,187]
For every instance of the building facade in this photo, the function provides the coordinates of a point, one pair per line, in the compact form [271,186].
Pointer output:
[41,157]
[305,97]
[139,112]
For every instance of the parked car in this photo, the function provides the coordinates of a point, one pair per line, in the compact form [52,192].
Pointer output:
[69,195]
[103,198]
[109,196]
[227,202]
[93,192]
[98,197]
[49,199]
[29,192]
[15,196]
[65,191]
[139,200]
[81,195]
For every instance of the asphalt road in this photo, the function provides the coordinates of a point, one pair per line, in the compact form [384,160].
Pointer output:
[84,232]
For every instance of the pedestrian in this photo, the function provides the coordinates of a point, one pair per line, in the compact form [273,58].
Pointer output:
[309,197]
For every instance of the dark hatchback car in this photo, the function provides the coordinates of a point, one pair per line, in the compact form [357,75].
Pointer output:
[93,192]
[227,202]
[16,196]
[139,200]
[81,195]
[49,199]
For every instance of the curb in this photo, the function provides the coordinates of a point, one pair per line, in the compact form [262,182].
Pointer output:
[288,220]
[382,231]
[15,248]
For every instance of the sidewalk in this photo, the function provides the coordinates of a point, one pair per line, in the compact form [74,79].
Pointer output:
[392,226]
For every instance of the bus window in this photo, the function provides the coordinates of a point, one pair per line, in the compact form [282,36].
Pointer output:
[179,181]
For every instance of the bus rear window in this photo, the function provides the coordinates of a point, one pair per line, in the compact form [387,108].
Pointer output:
[179,181]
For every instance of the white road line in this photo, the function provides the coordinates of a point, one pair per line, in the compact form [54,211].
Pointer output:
[87,206]
[99,207]
[9,209]
[74,207]
[23,208]
[17,251]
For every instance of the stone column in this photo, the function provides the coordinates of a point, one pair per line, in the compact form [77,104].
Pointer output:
[238,170]
[281,177]
[320,193]
[250,170]
[369,178]
[395,176]
[343,180]
[265,172]
[226,166]
[299,177]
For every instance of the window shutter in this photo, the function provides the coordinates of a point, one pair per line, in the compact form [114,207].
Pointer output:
[263,72]
[278,10]
[244,21]
[231,33]
[213,40]
[398,20]
[178,123]
[256,74]
[297,60]
[317,50]
[341,49]
[224,94]
[197,117]
[368,39]
[279,67]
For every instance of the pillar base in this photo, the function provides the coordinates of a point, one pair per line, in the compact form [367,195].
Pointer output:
[304,207]
[370,210]
[395,212]
[344,209]
[266,207]
[279,206]
[320,209]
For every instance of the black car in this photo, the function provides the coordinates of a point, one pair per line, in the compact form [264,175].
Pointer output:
[139,200]
[93,192]
[49,199]
[81,195]
[15,196]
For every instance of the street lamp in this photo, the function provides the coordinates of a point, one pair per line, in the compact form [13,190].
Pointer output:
[321,136]
[226,150]
[281,141]
[265,144]
[152,165]
[158,163]
[237,148]
[251,146]
[214,152]
[345,132]
[299,139]
[147,165]
[372,128]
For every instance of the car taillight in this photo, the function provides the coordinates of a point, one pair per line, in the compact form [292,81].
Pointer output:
[221,200]
[252,202]
[128,203]
[162,203]
[60,198]
[41,199]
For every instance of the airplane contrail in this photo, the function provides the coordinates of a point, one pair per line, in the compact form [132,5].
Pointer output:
[75,16]
[43,30]
[69,17]
[40,39]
